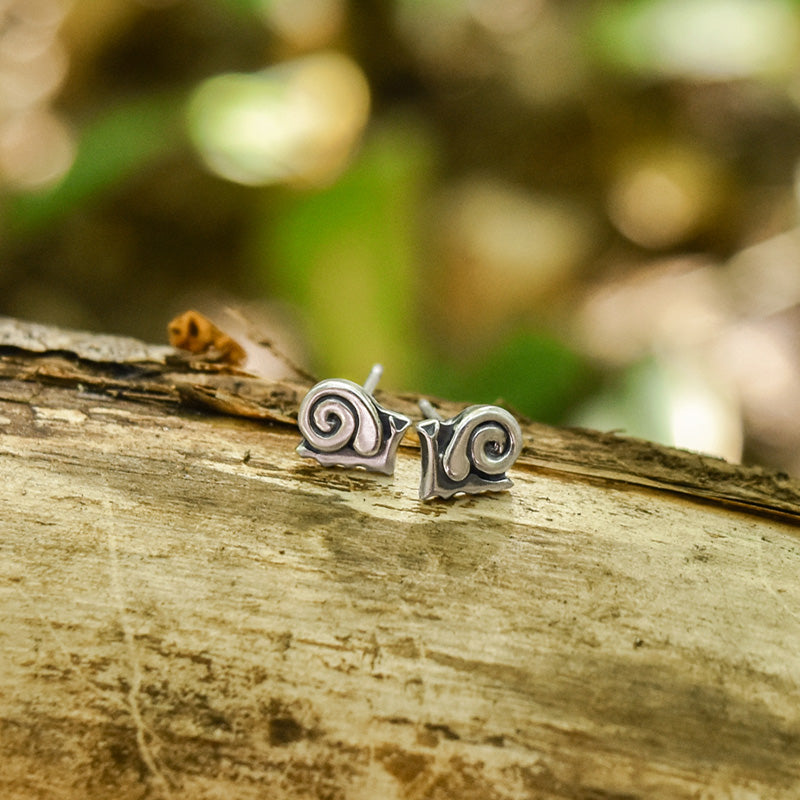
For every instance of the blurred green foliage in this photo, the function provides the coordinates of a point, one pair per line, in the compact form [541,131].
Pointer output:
[348,254]
[532,373]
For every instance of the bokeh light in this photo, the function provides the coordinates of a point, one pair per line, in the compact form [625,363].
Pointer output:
[502,250]
[662,195]
[298,122]
[36,149]
[36,145]
[703,39]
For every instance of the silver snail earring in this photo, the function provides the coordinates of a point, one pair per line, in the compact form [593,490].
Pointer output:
[469,453]
[343,425]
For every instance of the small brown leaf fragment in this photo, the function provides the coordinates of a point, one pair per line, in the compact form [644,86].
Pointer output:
[196,333]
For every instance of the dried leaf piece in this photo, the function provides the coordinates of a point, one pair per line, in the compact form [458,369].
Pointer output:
[199,335]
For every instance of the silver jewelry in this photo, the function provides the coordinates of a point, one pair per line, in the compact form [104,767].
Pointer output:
[469,453]
[343,425]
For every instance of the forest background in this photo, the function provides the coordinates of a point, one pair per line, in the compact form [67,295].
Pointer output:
[585,209]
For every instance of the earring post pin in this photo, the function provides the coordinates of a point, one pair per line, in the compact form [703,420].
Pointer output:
[429,411]
[372,379]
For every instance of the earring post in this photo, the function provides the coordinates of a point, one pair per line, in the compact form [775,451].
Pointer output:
[429,411]
[372,379]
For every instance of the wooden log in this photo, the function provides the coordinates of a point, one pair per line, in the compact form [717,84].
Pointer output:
[188,609]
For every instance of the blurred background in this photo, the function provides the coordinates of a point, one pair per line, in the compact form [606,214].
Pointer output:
[586,209]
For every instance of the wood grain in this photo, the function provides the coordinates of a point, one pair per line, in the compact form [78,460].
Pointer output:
[187,609]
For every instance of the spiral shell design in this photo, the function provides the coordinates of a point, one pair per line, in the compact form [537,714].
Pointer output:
[486,438]
[338,413]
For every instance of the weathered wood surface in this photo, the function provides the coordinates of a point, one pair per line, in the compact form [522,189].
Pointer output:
[187,609]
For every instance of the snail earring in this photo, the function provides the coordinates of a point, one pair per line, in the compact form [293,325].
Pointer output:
[469,453]
[342,424]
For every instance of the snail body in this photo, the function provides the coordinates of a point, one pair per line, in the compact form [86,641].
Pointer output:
[469,453]
[343,425]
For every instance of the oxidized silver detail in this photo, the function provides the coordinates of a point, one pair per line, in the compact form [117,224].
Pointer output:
[469,453]
[343,425]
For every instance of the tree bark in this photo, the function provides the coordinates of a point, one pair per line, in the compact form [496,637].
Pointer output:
[188,609]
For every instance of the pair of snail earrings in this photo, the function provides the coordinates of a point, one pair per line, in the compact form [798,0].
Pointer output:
[343,425]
